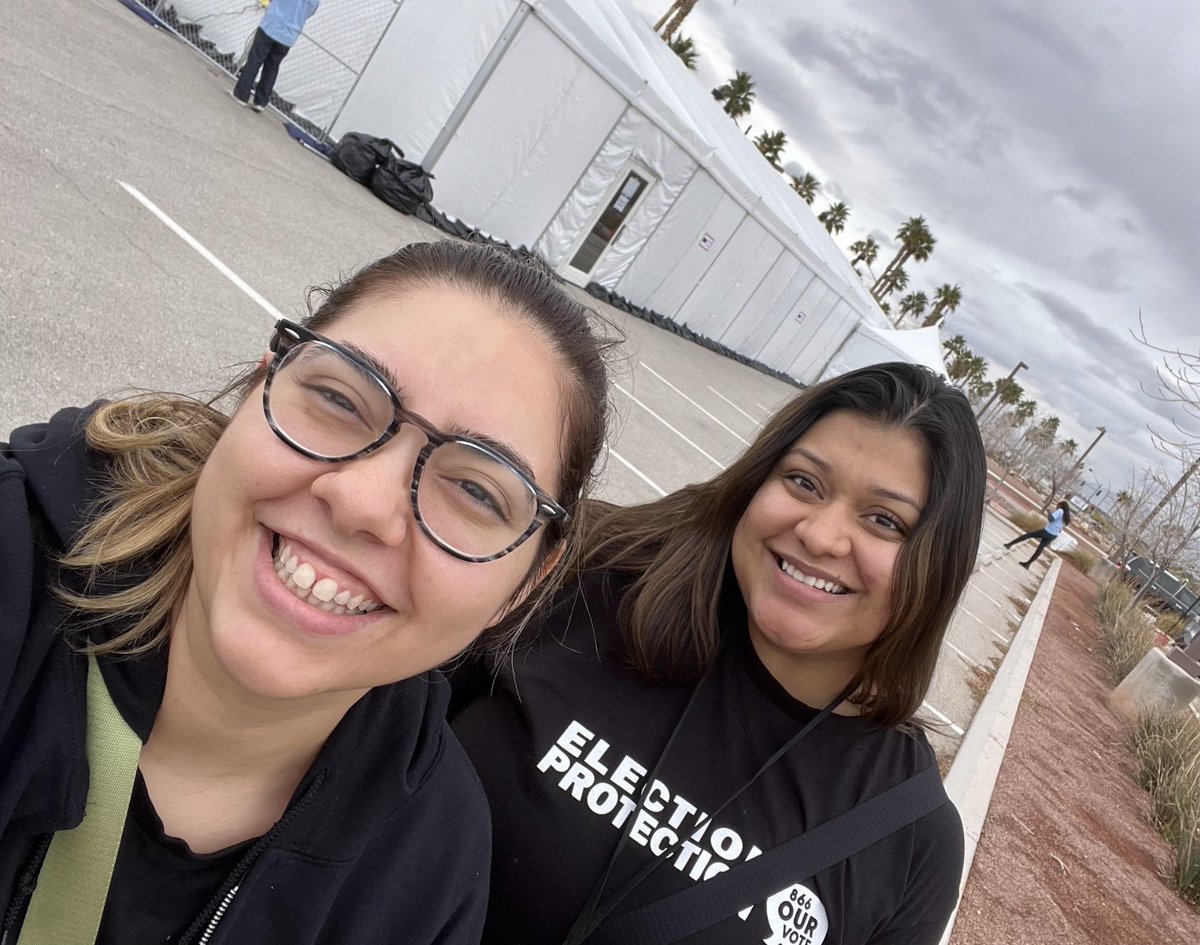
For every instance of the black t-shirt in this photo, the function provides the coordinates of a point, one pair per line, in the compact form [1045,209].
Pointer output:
[159,885]
[568,733]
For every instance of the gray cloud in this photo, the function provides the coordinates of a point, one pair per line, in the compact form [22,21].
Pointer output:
[1082,197]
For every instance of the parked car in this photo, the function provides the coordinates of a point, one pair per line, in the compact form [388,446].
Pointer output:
[1167,590]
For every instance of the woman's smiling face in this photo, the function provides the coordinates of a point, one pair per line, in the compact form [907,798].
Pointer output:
[815,551]
[263,512]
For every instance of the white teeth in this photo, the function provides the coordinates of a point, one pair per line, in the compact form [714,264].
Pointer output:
[301,579]
[304,575]
[325,589]
[819,583]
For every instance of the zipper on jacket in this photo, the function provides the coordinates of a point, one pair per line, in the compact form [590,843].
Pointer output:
[217,916]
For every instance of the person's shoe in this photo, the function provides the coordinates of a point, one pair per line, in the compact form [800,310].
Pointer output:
[233,95]
[254,106]
[1026,564]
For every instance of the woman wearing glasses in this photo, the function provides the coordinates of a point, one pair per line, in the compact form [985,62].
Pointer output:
[713,741]
[261,599]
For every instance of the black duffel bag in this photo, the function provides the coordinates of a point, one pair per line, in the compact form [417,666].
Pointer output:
[402,184]
[357,155]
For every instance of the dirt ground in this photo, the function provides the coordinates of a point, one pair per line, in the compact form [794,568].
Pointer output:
[1067,854]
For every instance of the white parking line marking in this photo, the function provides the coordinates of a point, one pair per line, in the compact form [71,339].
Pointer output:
[637,472]
[753,420]
[692,402]
[986,626]
[961,655]
[956,729]
[202,250]
[766,410]
[698,449]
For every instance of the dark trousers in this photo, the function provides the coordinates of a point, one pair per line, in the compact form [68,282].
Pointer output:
[265,54]
[1044,538]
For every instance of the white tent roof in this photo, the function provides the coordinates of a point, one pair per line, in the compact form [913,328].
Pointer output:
[613,38]
[871,345]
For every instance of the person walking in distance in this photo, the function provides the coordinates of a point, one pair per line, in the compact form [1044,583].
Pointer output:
[274,38]
[1057,520]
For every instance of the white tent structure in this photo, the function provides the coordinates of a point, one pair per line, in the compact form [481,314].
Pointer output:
[870,345]
[570,127]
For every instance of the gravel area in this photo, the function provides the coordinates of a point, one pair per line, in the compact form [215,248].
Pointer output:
[1067,854]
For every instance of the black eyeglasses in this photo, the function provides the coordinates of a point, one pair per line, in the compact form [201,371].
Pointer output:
[328,404]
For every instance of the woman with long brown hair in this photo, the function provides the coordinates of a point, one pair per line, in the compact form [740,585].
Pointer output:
[219,633]
[714,737]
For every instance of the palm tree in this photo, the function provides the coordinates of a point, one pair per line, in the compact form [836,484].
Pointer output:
[670,22]
[912,304]
[916,242]
[1025,410]
[834,217]
[946,299]
[807,187]
[897,281]
[683,47]
[771,144]
[737,94]
[864,251]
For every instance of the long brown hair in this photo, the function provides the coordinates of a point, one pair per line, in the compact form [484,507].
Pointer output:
[677,548]
[133,559]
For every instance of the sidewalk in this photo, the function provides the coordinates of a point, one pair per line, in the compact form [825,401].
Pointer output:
[1067,854]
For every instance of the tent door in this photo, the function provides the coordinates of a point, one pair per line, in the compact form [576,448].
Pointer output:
[631,186]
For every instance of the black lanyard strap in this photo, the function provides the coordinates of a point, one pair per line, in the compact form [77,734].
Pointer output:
[704,904]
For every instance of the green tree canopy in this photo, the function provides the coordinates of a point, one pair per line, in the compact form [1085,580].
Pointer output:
[916,242]
[863,251]
[806,186]
[683,47]
[834,217]
[771,144]
[913,304]
[737,94]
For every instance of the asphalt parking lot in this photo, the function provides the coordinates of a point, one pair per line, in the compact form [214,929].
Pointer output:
[149,228]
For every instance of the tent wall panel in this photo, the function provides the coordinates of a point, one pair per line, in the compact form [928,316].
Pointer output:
[764,304]
[794,333]
[676,240]
[423,65]
[758,333]
[819,318]
[677,283]
[538,132]
[632,137]
[810,358]
[731,279]
[797,324]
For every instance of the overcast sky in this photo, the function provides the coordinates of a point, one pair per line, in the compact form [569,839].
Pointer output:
[1052,148]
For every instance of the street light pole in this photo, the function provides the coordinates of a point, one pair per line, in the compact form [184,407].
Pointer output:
[1079,462]
[1021,365]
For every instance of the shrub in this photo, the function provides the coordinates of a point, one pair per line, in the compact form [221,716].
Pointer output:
[1170,623]
[1080,560]
[1028,521]
[1167,747]
[1126,635]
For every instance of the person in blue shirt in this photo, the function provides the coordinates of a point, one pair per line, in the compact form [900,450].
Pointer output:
[1059,519]
[275,36]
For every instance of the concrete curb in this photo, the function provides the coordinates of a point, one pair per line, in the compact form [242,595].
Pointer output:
[973,774]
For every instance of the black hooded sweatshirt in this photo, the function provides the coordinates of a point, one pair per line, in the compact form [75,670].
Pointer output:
[386,838]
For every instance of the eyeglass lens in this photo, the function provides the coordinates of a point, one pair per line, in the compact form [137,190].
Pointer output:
[331,407]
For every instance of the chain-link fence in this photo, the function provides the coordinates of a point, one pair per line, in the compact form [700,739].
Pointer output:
[322,67]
